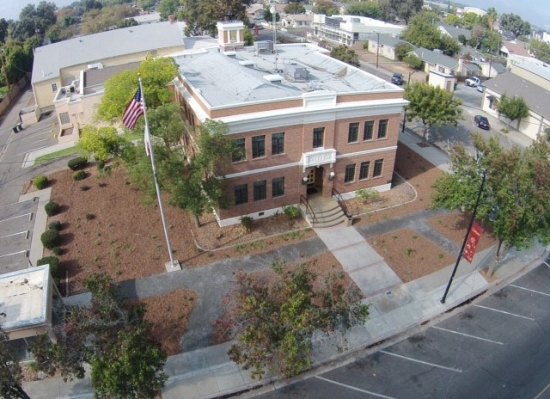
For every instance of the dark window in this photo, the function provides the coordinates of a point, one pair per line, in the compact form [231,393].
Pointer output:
[260,192]
[378,168]
[54,87]
[258,146]
[382,128]
[350,173]
[369,129]
[318,135]
[353,132]
[277,143]
[364,170]
[278,187]
[241,194]
[239,152]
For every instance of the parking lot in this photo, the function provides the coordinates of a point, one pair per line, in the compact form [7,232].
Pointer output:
[497,347]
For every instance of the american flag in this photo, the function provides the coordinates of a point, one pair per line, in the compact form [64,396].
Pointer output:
[133,111]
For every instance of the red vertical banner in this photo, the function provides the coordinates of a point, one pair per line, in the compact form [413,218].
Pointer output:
[471,243]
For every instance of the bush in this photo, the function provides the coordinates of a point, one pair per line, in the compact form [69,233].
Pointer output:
[50,238]
[292,212]
[52,208]
[57,251]
[77,163]
[246,222]
[100,164]
[368,195]
[55,225]
[40,182]
[413,61]
[80,175]
[53,261]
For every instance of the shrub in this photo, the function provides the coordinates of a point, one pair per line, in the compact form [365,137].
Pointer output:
[40,182]
[292,212]
[77,163]
[246,222]
[50,238]
[52,208]
[368,195]
[57,251]
[56,225]
[100,164]
[90,216]
[53,261]
[80,175]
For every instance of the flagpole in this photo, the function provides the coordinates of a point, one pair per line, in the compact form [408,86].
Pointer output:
[174,264]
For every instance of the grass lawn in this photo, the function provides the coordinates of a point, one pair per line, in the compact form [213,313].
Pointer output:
[57,155]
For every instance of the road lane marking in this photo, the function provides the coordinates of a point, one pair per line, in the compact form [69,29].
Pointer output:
[422,362]
[530,290]
[14,253]
[15,217]
[26,232]
[378,395]
[547,265]
[541,392]
[468,335]
[505,312]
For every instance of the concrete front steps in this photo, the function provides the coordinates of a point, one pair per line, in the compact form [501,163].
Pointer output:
[328,212]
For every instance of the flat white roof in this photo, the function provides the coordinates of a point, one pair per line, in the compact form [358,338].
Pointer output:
[24,298]
[50,59]
[243,78]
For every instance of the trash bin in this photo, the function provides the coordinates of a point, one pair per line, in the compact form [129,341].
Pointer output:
[19,126]
[15,129]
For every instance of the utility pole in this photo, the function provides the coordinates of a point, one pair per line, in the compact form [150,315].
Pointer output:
[377,48]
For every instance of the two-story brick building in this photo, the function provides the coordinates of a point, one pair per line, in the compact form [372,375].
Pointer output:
[305,123]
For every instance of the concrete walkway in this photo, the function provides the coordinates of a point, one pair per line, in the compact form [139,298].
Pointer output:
[31,157]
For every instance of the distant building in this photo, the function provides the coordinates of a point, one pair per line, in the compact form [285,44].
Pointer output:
[307,124]
[348,29]
[455,32]
[297,21]
[148,18]
[531,69]
[515,47]
[383,45]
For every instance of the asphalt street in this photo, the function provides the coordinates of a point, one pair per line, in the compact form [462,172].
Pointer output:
[495,347]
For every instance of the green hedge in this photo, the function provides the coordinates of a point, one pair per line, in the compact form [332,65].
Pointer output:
[52,208]
[53,261]
[40,182]
[77,163]
[80,175]
[50,239]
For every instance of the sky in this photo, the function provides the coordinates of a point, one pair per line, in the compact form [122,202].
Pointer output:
[536,12]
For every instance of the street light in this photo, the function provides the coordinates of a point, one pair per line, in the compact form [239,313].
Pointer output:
[480,192]
[405,112]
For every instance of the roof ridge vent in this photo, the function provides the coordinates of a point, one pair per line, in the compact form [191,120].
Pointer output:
[248,63]
[273,78]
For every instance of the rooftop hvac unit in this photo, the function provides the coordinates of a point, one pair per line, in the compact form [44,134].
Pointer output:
[264,46]
[97,65]
[296,72]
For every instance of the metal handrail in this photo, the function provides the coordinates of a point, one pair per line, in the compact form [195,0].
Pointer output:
[341,202]
[309,209]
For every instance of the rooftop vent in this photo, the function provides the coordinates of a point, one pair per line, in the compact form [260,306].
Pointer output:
[296,72]
[264,46]
[230,53]
[247,63]
[273,78]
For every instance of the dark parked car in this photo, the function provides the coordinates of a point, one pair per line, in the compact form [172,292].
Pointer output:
[397,79]
[481,122]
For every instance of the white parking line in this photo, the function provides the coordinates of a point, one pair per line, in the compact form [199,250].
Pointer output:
[546,263]
[422,362]
[26,232]
[541,392]
[505,312]
[18,216]
[14,253]
[378,395]
[31,150]
[468,335]
[530,290]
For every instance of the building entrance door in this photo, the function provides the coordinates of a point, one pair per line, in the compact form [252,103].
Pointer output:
[315,180]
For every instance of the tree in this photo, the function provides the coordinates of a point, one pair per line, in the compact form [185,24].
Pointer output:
[513,23]
[490,19]
[34,20]
[413,61]
[168,7]
[101,142]
[514,203]
[202,15]
[345,54]
[295,8]
[156,74]
[406,9]
[273,322]
[453,20]
[146,4]
[268,16]
[513,108]
[100,20]
[326,7]
[3,29]
[448,45]
[541,50]
[113,338]
[167,123]
[369,9]
[470,19]
[422,32]
[432,105]
[10,372]
[248,36]
[402,50]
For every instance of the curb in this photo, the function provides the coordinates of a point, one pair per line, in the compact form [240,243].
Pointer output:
[43,196]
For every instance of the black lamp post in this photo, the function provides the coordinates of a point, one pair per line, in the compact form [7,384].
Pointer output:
[405,112]
[480,192]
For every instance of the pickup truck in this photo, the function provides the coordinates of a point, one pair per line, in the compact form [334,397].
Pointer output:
[473,81]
